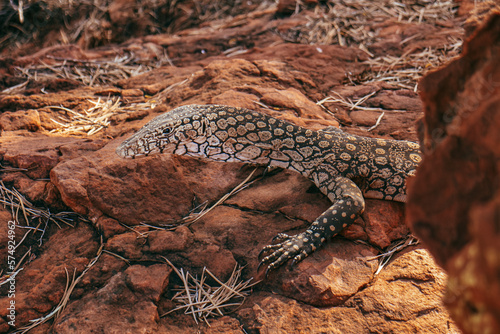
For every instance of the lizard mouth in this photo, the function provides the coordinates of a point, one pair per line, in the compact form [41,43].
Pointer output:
[125,150]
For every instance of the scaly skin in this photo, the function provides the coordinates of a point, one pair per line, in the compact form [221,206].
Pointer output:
[331,159]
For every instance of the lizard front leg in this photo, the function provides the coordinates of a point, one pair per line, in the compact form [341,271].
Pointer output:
[348,204]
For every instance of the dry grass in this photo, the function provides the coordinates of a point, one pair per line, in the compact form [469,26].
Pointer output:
[394,248]
[70,286]
[20,206]
[405,71]
[194,217]
[31,219]
[88,122]
[93,73]
[357,23]
[94,119]
[351,105]
[202,300]
[89,23]
[353,22]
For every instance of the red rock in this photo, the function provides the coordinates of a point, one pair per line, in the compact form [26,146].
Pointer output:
[382,222]
[31,153]
[402,298]
[159,79]
[476,12]
[110,227]
[20,120]
[278,193]
[303,109]
[243,232]
[113,308]
[162,241]
[423,311]
[148,282]
[39,289]
[132,191]
[215,258]
[184,324]
[128,245]
[316,69]
[132,96]
[330,276]
[453,202]
[39,153]
[389,123]
[245,99]
[20,102]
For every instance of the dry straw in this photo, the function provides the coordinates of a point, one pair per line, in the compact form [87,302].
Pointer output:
[406,70]
[394,248]
[91,73]
[194,217]
[95,118]
[351,22]
[19,205]
[357,22]
[31,219]
[202,300]
[88,122]
[352,105]
[68,290]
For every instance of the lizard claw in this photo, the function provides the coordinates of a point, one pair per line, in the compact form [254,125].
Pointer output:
[260,265]
[296,247]
[267,272]
[281,237]
[268,248]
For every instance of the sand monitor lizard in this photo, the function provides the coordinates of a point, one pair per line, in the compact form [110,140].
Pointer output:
[344,167]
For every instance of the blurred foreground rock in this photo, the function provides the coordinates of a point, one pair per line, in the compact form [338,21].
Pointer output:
[454,202]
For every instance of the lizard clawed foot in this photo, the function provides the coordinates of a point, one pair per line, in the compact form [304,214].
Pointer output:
[295,247]
[281,237]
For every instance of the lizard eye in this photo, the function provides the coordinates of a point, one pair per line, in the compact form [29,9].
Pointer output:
[166,131]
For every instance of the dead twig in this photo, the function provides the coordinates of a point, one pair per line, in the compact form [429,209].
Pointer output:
[194,217]
[202,300]
[70,286]
[352,105]
[385,257]
[377,122]
[24,211]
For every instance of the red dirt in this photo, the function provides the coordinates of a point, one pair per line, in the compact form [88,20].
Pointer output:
[250,57]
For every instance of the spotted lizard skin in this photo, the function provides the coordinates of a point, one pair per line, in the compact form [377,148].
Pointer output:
[346,168]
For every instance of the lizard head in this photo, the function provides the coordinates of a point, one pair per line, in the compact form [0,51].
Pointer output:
[182,128]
